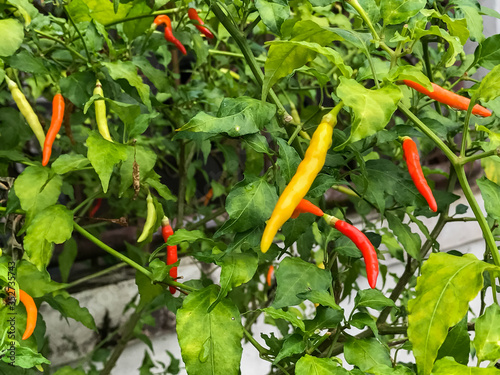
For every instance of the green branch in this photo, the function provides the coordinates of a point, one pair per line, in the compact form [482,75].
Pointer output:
[472,158]
[112,251]
[65,45]
[151,15]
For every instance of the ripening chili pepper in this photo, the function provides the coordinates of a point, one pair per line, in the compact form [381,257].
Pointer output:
[314,159]
[26,110]
[208,196]
[449,98]
[269,277]
[55,125]
[362,243]
[305,206]
[412,158]
[193,15]
[169,35]
[100,113]
[31,311]
[150,219]
[95,208]
[167,231]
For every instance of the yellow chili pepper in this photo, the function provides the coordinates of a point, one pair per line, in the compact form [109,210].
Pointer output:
[25,108]
[150,219]
[301,182]
[100,113]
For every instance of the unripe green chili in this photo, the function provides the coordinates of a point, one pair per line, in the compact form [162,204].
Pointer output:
[100,113]
[150,219]
[25,108]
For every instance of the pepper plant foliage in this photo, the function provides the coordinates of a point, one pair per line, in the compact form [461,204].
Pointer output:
[214,137]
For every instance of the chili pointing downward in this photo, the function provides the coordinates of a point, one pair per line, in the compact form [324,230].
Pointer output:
[410,152]
[449,98]
[169,35]
[193,15]
[269,277]
[362,243]
[31,311]
[55,125]
[167,231]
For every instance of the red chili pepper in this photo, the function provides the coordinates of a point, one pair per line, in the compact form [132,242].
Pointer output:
[169,35]
[31,311]
[55,125]
[410,152]
[96,207]
[362,243]
[449,98]
[269,277]
[193,15]
[305,206]
[167,231]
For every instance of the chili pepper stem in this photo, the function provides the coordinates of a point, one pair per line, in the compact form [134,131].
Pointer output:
[331,220]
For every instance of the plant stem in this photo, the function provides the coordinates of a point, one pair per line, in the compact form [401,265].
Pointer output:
[262,351]
[79,33]
[95,275]
[428,68]
[428,132]
[233,54]
[152,15]
[465,133]
[364,16]
[73,51]
[470,159]
[112,251]
[488,236]
[206,219]
[126,336]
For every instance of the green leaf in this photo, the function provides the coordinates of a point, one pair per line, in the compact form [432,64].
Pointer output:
[236,269]
[26,358]
[386,370]
[397,11]
[78,87]
[456,27]
[27,62]
[412,73]
[448,366]
[366,353]
[454,47]
[67,258]
[292,345]
[286,315]
[52,225]
[295,276]
[249,204]
[373,298]
[489,88]
[162,189]
[158,77]
[102,11]
[136,27]
[236,117]
[320,296]
[284,58]
[308,365]
[189,236]
[103,156]
[326,318]
[67,370]
[13,35]
[273,13]
[489,53]
[487,339]
[491,196]
[332,55]
[70,163]
[457,343]
[37,189]
[372,108]
[127,70]
[33,281]
[443,292]
[361,320]
[410,242]
[69,307]
[210,342]
[474,19]
[288,160]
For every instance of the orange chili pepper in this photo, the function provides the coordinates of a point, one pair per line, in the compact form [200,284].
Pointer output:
[449,98]
[269,277]
[31,311]
[55,125]
[169,35]
[305,206]
[193,15]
